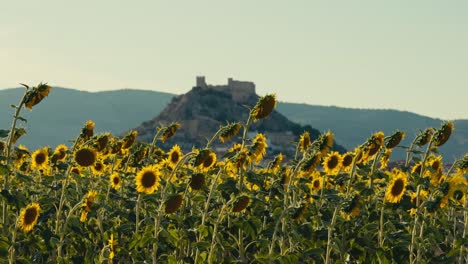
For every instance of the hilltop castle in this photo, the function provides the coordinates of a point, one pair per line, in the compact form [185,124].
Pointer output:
[239,90]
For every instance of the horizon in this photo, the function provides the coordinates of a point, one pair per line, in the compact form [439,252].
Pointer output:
[279,101]
[407,56]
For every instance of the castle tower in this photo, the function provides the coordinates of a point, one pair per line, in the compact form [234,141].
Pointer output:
[201,82]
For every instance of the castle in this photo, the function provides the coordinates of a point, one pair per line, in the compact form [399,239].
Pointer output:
[239,90]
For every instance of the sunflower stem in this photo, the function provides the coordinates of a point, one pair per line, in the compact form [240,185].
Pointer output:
[381,226]
[137,213]
[413,232]
[352,172]
[330,234]
[7,151]
[463,258]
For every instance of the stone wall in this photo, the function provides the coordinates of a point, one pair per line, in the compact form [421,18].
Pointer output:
[240,90]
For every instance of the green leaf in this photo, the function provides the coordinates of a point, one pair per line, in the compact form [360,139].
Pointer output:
[4,133]
[22,119]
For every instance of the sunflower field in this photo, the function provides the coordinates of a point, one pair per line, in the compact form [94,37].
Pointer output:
[106,199]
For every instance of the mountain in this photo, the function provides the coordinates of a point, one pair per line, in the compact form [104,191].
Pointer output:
[61,115]
[353,126]
[204,109]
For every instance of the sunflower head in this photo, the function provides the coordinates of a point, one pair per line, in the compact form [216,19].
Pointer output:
[227,132]
[463,165]
[385,158]
[241,203]
[397,186]
[115,180]
[88,201]
[40,159]
[197,181]
[304,141]
[60,153]
[316,183]
[35,96]
[28,217]
[347,161]
[174,155]
[205,159]
[173,204]
[85,157]
[258,148]
[264,107]
[352,208]
[443,134]
[275,164]
[19,132]
[424,137]
[148,179]
[169,131]
[88,130]
[2,146]
[101,142]
[98,168]
[311,162]
[324,142]
[332,162]
[129,139]
[394,139]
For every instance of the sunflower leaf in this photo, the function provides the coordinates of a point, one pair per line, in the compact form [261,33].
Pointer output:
[4,133]
[22,119]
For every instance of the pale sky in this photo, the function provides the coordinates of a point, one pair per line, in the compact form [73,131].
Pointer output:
[401,54]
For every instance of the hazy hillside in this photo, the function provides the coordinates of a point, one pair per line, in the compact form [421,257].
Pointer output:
[353,126]
[61,115]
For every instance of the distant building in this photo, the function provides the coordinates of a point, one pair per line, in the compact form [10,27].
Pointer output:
[240,90]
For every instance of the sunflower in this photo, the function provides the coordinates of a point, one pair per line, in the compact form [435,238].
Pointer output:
[275,164]
[28,217]
[98,168]
[352,209]
[229,131]
[300,211]
[76,171]
[88,130]
[87,203]
[304,142]
[40,159]
[325,142]
[347,161]
[85,157]
[235,148]
[316,183]
[424,137]
[115,180]
[101,142]
[209,162]
[416,169]
[148,179]
[35,95]
[60,153]
[258,148]
[169,131]
[311,162]
[394,139]
[264,107]
[396,188]
[174,155]
[457,188]
[19,132]
[241,203]
[435,169]
[443,134]
[331,164]
[385,158]
[197,181]
[173,203]
[374,143]
[129,139]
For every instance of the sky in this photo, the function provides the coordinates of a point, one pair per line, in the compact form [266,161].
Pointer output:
[399,54]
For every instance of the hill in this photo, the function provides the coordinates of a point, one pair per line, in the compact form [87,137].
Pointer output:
[205,108]
[62,114]
[64,111]
[353,126]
